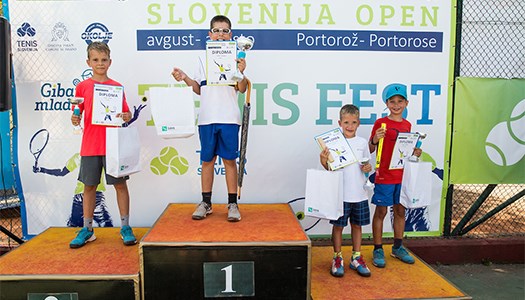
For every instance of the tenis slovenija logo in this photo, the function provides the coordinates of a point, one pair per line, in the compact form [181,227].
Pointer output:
[97,32]
[26,32]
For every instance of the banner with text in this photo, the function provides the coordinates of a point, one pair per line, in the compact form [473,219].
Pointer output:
[308,60]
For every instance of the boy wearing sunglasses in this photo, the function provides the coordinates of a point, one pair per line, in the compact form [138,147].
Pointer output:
[219,122]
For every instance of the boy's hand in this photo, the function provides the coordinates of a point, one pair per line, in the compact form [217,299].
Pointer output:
[417,152]
[366,168]
[178,74]
[75,120]
[380,133]
[126,116]
[323,157]
[241,64]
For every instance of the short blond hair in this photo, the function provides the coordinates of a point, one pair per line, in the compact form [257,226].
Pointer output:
[348,109]
[100,47]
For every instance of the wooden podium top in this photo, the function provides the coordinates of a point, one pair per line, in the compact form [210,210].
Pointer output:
[49,254]
[260,224]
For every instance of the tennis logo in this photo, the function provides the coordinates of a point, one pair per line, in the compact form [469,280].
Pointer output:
[505,144]
[169,159]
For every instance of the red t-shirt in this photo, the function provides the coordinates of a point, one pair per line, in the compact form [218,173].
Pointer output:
[387,176]
[94,136]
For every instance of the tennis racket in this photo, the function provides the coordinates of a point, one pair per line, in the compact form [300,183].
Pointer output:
[37,143]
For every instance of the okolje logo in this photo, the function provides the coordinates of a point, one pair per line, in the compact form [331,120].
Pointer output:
[169,159]
[505,144]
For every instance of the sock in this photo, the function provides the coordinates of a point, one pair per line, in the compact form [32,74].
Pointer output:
[124,220]
[88,222]
[206,197]
[340,254]
[232,198]
[356,254]
[397,243]
[380,246]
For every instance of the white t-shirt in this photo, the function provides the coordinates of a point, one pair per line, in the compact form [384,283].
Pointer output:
[218,103]
[353,177]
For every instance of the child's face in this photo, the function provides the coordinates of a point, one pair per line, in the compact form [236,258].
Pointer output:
[349,124]
[217,33]
[99,62]
[396,104]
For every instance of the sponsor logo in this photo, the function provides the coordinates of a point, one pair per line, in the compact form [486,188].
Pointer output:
[169,159]
[97,32]
[26,44]
[60,39]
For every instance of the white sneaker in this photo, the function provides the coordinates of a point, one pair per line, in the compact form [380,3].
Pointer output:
[202,210]
[234,215]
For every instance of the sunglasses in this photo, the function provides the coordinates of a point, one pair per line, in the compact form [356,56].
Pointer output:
[221,30]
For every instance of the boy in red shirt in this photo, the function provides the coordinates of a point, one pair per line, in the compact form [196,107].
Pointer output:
[388,182]
[93,150]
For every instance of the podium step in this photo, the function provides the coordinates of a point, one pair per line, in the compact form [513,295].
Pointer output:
[396,281]
[45,265]
[264,256]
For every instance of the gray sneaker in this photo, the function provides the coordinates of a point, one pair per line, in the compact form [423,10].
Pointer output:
[202,210]
[234,215]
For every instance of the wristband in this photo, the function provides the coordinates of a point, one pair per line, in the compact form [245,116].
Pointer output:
[372,142]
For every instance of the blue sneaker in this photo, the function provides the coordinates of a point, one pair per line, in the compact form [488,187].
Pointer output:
[379,258]
[359,264]
[337,269]
[83,236]
[127,236]
[402,254]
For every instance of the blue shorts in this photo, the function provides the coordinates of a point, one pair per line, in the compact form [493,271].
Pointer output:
[386,194]
[358,213]
[219,139]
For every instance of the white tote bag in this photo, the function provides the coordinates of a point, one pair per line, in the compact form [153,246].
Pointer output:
[122,151]
[324,194]
[416,188]
[173,111]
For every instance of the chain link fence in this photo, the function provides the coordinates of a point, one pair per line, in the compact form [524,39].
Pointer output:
[491,44]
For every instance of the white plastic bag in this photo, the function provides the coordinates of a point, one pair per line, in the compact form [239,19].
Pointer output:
[324,194]
[122,151]
[416,188]
[173,111]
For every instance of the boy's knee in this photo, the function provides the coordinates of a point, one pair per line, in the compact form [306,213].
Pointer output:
[120,186]
[230,162]
[399,210]
[380,212]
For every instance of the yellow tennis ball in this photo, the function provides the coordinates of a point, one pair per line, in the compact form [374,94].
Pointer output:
[157,167]
[179,165]
[166,154]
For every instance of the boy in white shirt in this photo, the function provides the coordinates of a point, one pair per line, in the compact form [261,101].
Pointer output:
[355,199]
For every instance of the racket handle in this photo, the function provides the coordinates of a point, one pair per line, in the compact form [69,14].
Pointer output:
[76,111]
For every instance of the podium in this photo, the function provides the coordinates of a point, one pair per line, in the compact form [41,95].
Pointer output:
[46,266]
[265,256]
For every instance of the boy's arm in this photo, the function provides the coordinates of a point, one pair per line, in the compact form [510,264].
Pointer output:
[243,84]
[323,157]
[179,75]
